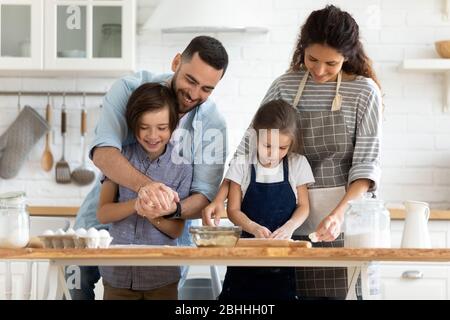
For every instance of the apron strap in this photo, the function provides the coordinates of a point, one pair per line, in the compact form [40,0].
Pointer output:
[252,173]
[285,169]
[337,101]
[339,80]
[300,89]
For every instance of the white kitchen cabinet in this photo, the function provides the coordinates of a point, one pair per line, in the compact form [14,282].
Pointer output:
[414,282]
[47,37]
[21,34]
[87,35]
[18,274]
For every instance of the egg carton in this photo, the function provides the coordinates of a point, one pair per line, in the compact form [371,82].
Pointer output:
[74,241]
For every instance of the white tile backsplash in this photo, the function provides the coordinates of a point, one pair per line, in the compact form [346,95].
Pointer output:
[416,156]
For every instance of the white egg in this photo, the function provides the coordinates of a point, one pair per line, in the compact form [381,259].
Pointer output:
[70,232]
[60,232]
[103,233]
[81,232]
[92,233]
[48,232]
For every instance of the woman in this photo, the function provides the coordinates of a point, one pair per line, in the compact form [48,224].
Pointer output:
[334,88]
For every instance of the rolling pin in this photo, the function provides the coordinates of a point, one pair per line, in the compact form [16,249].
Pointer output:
[255,242]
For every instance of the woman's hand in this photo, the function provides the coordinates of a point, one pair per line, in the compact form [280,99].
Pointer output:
[259,231]
[213,211]
[329,228]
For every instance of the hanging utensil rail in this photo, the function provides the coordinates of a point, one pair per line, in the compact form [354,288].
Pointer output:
[52,93]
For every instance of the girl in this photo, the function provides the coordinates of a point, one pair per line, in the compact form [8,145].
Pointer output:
[334,88]
[268,198]
[151,114]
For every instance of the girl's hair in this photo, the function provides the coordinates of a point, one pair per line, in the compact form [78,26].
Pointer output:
[337,29]
[278,114]
[151,97]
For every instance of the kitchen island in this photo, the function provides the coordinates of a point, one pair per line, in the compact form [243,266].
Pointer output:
[357,260]
[395,213]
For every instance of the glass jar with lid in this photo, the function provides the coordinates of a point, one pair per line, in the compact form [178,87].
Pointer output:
[111,42]
[14,220]
[367,224]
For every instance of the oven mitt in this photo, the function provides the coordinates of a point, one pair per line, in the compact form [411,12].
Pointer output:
[18,140]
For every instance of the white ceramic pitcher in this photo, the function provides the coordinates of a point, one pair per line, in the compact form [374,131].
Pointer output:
[415,230]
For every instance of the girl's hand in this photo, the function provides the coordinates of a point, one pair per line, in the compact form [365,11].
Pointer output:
[213,211]
[284,232]
[329,229]
[259,231]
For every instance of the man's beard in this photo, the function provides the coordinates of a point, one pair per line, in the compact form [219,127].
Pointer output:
[177,92]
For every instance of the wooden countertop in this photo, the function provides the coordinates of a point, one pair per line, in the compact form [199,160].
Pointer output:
[396,214]
[192,254]
[53,211]
[399,214]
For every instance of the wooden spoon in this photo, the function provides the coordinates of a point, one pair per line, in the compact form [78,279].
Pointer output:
[47,156]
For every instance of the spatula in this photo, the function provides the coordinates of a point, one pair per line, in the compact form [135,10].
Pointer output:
[62,168]
[83,175]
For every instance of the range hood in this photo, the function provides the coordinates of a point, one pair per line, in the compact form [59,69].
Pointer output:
[206,16]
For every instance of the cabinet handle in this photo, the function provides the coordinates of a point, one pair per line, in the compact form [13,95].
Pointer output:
[412,274]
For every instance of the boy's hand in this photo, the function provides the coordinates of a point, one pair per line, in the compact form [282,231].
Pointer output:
[158,195]
[152,212]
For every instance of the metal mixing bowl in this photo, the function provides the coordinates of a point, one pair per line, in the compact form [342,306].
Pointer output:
[207,236]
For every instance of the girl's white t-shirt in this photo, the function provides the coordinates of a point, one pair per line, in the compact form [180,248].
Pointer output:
[300,172]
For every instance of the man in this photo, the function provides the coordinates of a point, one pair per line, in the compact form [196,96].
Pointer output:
[196,72]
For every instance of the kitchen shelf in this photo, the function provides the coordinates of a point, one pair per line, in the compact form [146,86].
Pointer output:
[51,93]
[432,65]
